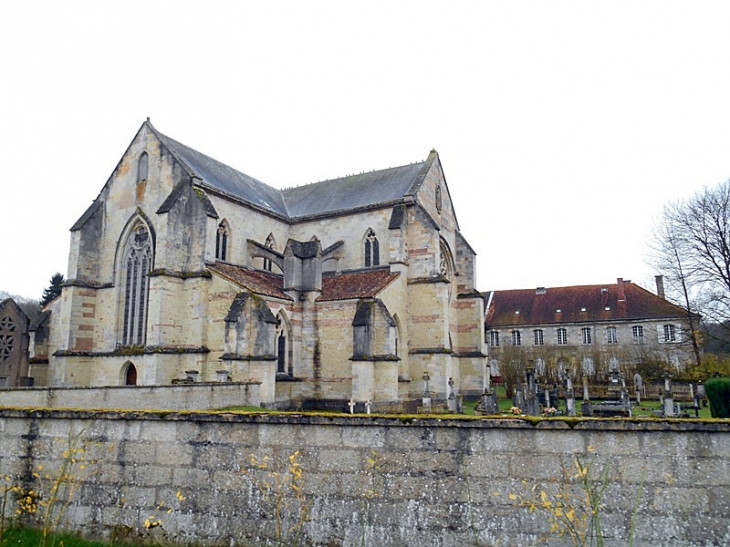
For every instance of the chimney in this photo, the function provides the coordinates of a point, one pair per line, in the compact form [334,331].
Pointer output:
[660,285]
[621,292]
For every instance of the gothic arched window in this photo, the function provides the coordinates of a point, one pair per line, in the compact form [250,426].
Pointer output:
[372,249]
[142,167]
[136,264]
[446,262]
[221,242]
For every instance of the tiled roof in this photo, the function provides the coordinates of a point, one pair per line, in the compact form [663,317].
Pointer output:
[255,281]
[343,286]
[600,302]
[354,192]
[356,284]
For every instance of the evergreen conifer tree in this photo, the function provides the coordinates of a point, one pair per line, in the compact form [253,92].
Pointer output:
[53,290]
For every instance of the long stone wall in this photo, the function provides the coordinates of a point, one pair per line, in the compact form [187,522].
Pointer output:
[372,480]
[186,396]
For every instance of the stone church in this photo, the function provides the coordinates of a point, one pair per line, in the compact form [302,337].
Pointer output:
[184,268]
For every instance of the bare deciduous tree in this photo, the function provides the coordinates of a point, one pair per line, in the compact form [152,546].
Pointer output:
[691,248]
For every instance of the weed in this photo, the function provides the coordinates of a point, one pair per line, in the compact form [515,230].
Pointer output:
[280,481]
[576,516]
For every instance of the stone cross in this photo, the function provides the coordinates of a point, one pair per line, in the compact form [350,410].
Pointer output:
[488,379]
[426,378]
[352,404]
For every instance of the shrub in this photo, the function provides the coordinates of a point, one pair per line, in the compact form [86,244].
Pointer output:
[718,392]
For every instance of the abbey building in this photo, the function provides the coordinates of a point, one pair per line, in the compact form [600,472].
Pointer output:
[184,269]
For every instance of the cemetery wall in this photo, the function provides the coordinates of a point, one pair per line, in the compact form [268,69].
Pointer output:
[390,481]
[183,396]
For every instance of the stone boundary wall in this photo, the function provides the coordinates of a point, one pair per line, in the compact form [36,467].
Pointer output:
[195,396]
[378,481]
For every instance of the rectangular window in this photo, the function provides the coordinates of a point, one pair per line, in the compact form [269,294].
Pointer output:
[670,334]
[516,338]
[585,333]
[539,339]
[562,337]
[494,338]
[637,332]
[611,337]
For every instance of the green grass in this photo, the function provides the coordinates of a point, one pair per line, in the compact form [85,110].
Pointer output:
[26,537]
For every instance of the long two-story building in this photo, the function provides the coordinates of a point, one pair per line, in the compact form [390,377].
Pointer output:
[587,329]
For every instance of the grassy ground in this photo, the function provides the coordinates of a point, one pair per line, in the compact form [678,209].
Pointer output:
[25,537]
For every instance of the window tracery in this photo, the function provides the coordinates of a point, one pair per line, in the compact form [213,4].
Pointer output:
[221,242]
[372,249]
[7,338]
[446,267]
[136,265]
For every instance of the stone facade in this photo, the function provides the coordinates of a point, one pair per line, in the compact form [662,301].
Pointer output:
[375,481]
[589,329]
[342,289]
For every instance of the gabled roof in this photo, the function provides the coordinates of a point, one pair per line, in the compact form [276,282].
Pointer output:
[255,281]
[218,176]
[355,192]
[355,284]
[622,301]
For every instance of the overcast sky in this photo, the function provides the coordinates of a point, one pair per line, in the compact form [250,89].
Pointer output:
[563,127]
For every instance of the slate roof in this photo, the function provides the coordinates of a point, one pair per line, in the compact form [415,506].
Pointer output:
[218,176]
[376,188]
[601,303]
[255,281]
[355,284]
[354,192]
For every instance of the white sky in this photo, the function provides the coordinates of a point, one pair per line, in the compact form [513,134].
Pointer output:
[563,127]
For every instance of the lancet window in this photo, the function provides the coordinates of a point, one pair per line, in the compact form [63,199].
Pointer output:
[142,167]
[221,242]
[137,263]
[372,249]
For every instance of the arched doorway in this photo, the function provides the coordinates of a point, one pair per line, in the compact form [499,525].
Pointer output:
[130,376]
